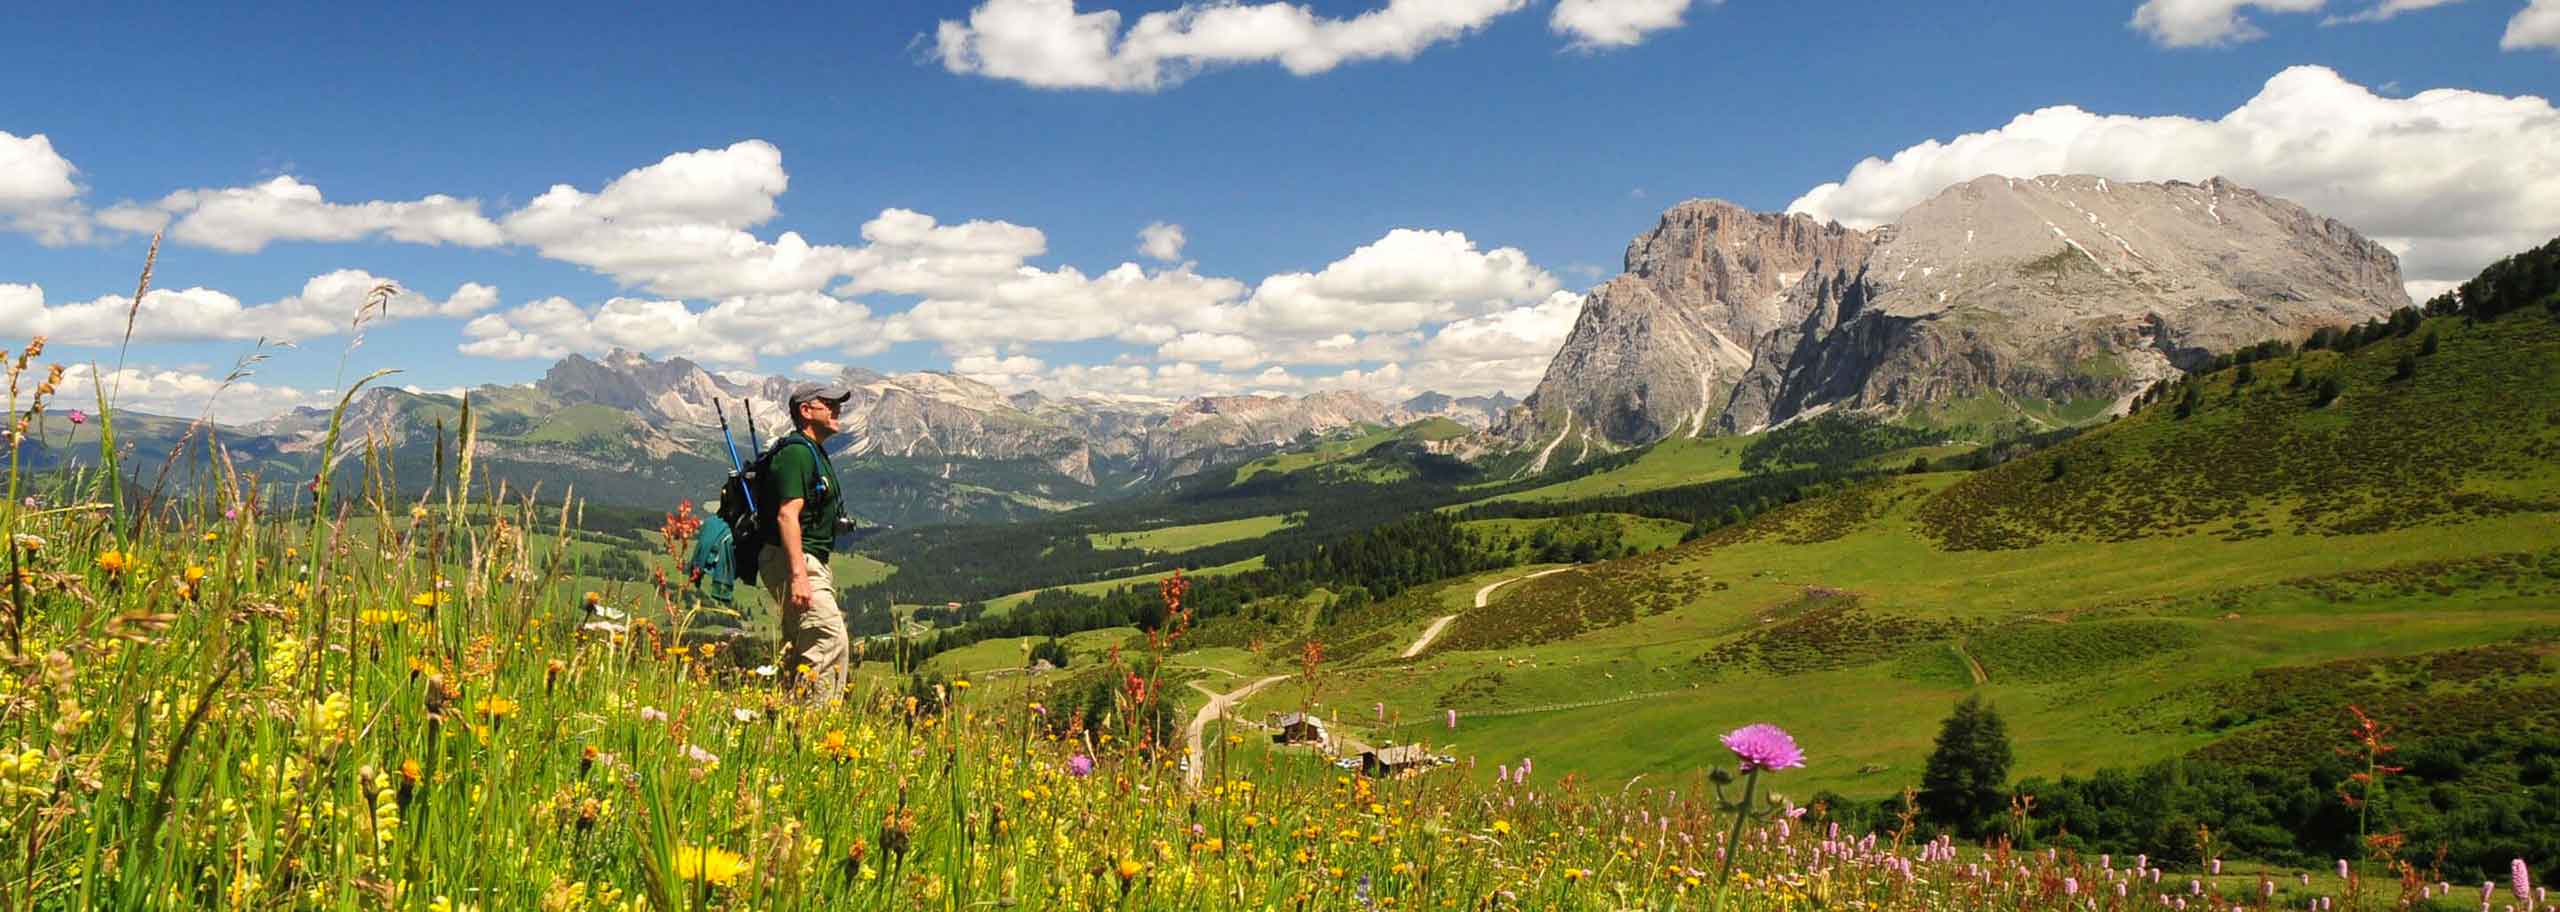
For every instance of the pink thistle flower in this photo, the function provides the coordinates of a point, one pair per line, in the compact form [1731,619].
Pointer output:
[1080,766]
[652,714]
[78,417]
[1762,746]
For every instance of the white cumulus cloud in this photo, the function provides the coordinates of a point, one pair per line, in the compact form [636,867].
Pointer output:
[1050,44]
[2387,9]
[736,330]
[678,227]
[39,191]
[2536,26]
[2450,179]
[187,394]
[247,219]
[2205,23]
[1402,281]
[1161,241]
[325,306]
[1597,24]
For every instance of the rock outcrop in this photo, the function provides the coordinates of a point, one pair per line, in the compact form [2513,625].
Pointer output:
[2050,299]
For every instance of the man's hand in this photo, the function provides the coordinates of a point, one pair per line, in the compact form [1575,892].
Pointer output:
[803,596]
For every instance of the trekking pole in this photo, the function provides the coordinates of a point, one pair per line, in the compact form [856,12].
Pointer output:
[736,468]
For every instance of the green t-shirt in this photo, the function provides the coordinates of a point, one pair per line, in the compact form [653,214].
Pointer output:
[797,472]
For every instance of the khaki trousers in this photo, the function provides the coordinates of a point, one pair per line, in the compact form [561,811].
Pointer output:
[813,638]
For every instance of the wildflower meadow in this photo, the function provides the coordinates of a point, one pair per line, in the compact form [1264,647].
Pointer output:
[375,694]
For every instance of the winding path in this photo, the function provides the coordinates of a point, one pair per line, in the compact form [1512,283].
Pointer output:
[1442,622]
[1979,678]
[1216,707]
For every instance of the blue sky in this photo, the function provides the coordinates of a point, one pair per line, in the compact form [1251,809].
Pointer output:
[1386,205]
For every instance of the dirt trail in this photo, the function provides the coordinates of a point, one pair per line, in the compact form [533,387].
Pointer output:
[1430,633]
[1216,707]
[1979,677]
[1442,622]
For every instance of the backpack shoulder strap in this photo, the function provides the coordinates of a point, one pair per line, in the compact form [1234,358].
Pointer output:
[818,456]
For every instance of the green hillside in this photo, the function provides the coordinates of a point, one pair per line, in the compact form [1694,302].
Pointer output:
[1376,455]
[1175,539]
[1670,463]
[2217,586]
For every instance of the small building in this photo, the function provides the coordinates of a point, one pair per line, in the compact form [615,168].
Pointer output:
[1391,761]
[1298,728]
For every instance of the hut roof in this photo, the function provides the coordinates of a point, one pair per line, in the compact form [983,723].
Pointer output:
[1289,719]
[1402,755]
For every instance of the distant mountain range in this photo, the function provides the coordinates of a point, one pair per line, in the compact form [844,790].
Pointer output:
[2047,301]
[924,447]
[2050,300]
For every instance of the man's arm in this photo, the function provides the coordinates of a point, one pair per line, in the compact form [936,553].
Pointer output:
[787,517]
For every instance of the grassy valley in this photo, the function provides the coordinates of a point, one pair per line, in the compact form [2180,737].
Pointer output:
[2214,581]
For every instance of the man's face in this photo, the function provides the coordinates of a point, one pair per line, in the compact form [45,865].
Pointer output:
[819,415]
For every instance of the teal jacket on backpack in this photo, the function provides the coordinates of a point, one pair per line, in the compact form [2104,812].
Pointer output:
[711,568]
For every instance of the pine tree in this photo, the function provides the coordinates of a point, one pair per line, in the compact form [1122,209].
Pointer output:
[2427,346]
[2406,368]
[1965,786]
[2296,382]
[2330,389]
[2187,401]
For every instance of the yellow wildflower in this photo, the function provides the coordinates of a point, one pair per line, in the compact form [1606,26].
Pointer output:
[429,599]
[113,561]
[495,707]
[1130,868]
[716,865]
[194,573]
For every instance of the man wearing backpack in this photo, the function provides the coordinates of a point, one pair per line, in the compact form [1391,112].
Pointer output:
[793,563]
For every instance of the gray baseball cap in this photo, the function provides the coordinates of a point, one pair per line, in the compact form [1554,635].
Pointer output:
[829,393]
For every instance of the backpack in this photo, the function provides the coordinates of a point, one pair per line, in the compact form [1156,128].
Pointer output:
[747,506]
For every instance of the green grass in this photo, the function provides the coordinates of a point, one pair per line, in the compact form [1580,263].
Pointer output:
[1004,655]
[583,424]
[1668,464]
[2141,602]
[1176,539]
[1641,533]
[1340,454]
[857,569]
[1324,452]
[1002,604]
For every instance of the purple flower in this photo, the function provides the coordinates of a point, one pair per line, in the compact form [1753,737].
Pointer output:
[1080,766]
[78,417]
[2522,881]
[1762,746]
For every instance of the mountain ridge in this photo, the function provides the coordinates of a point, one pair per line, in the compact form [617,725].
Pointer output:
[2049,299]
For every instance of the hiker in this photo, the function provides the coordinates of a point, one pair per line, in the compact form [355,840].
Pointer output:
[793,563]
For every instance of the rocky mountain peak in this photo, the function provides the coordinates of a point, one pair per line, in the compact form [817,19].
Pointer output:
[2038,295]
